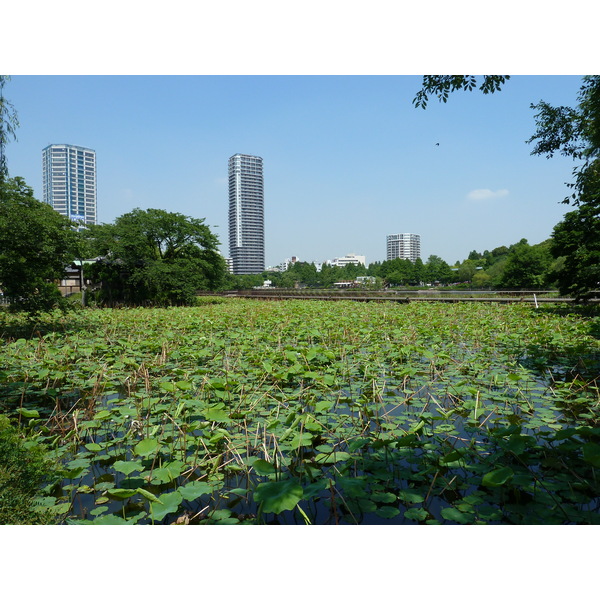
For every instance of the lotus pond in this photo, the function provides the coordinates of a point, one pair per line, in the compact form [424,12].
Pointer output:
[310,412]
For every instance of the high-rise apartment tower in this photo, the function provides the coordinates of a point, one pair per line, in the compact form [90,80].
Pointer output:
[69,181]
[246,214]
[403,245]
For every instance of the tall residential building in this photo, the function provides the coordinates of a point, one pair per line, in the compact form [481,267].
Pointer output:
[403,245]
[69,181]
[246,214]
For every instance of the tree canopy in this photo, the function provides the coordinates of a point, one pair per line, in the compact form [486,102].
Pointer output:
[36,244]
[155,256]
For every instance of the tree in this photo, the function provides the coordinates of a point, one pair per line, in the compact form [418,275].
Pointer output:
[576,241]
[36,244]
[526,266]
[442,85]
[572,132]
[399,271]
[437,269]
[154,256]
[466,271]
[8,125]
[575,133]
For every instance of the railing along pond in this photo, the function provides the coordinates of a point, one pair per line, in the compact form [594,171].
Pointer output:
[404,296]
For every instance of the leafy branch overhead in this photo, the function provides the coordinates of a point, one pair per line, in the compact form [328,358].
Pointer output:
[570,132]
[441,86]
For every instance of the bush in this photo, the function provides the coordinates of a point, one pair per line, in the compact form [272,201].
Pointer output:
[22,472]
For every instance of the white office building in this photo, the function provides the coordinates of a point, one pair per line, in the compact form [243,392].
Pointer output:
[349,259]
[404,246]
[246,214]
[69,181]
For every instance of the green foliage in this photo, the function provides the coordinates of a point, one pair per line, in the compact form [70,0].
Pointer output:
[576,240]
[36,244]
[277,496]
[22,472]
[8,125]
[313,412]
[526,267]
[575,133]
[441,86]
[154,256]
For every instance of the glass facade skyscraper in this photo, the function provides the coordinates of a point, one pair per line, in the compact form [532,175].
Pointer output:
[69,181]
[246,214]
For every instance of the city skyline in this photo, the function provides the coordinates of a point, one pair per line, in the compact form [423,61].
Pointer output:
[350,159]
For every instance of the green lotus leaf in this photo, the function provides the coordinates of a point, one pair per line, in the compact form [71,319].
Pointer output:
[193,490]
[167,504]
[127,467]
[384,497]
[28,413]
[183,385]
[146,446]
[216,414]
[121,493]
[497,477]
[277,496]
[148,495]
[328,459]
[453,514]
[262,467]
[591,453]
[417,514]
[410,496]
[109,520]
[387,512]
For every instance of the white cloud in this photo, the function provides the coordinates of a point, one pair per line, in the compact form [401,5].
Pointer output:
[485,194]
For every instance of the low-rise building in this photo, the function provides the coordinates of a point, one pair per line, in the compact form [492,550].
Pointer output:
[349,259]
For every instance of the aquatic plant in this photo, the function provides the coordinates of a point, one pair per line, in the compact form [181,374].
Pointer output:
[314,412]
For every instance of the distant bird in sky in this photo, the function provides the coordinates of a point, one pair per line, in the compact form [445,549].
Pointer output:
[437,144]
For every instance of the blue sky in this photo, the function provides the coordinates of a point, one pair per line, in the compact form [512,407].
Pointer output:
[347,159]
